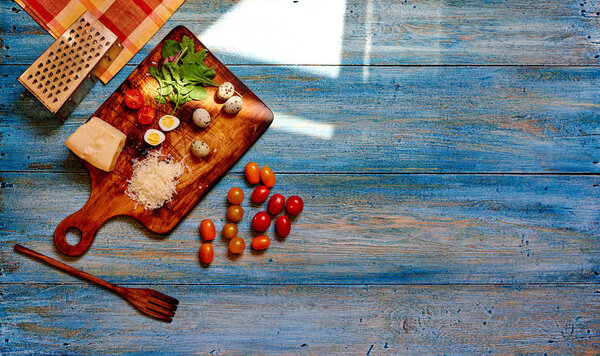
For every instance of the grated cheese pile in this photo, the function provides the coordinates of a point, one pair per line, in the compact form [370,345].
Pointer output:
[154,180]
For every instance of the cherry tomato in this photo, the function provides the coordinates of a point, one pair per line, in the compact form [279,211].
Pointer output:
[206,253]
[260,194]
[237,245]
[145,114]
[294,205]
[235,213]
[207,229]
[261,242]
[261,221]
[283,226]
[230,231]
[252,173]
[276,204]
[235,195]
[134,99]
[267,176]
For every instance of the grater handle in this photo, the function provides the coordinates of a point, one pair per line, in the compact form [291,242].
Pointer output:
[87,220]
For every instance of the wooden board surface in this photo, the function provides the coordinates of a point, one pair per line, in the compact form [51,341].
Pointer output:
[384,32]
[257,319]
[402,120]
[425,229]
[414,240]
[228,137]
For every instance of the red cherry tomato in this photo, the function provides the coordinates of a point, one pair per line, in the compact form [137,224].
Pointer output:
[207,229]
[206,253]
[276,204]
[237,245]
[294,205]
[252,173]
[283,226]
[134,99]
[145,114]
[267,176]
[261,242]
[261,221]
[260,194]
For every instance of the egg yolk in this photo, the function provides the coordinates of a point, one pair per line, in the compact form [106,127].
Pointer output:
[168,121]
[153,138]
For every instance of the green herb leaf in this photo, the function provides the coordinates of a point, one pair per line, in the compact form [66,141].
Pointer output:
[170,48]
[198,93]
[189,43]
[160,99]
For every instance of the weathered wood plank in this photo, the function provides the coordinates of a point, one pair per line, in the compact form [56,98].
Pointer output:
[443,119]
[389,229]
[314,320]
[378,31]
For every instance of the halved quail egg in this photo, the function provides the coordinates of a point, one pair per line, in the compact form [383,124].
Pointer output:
[154,137]
[168,123]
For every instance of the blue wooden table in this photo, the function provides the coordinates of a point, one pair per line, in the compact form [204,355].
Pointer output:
[447,153]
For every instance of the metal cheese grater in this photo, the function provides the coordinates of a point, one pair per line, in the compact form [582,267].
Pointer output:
[63,75]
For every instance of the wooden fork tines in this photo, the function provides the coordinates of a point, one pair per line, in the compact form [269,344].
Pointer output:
[148,301]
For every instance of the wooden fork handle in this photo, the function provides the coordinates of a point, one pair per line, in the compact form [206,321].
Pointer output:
[71,270]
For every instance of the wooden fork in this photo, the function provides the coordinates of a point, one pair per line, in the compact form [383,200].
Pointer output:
[148,301]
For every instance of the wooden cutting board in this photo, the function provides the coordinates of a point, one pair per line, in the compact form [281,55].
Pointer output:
[228,136]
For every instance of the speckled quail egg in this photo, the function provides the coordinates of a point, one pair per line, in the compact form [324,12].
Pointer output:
[233,105]
[201,117]
[168,123]
[200,149]
[225,91]
[154,137]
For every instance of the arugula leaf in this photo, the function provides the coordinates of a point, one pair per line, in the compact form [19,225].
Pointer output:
[189,43]
[170,48]
[198,93]
[183,73]
[160,99]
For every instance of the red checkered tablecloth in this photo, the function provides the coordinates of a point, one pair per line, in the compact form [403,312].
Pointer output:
[133,21]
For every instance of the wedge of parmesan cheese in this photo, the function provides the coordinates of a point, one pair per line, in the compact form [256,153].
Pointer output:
[98,143]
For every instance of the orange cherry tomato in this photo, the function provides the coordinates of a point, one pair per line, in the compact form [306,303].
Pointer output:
[235,213]
[294,205]
[260,194]
[235,195]
[230,230]
[261,242]
[267,176]
[276,204]
[206,253]
[237,245]
[252,173]
[207,229]
[283,226]
[261,221]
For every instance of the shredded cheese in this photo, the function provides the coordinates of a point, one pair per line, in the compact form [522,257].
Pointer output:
[154,180]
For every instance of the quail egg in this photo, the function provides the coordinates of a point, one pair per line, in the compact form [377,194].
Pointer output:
[154,137]
[200,149]
[233,105]
[201,117]
[225,91]
[168,123]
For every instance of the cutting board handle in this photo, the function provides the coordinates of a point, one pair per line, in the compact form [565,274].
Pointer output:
[87,220]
